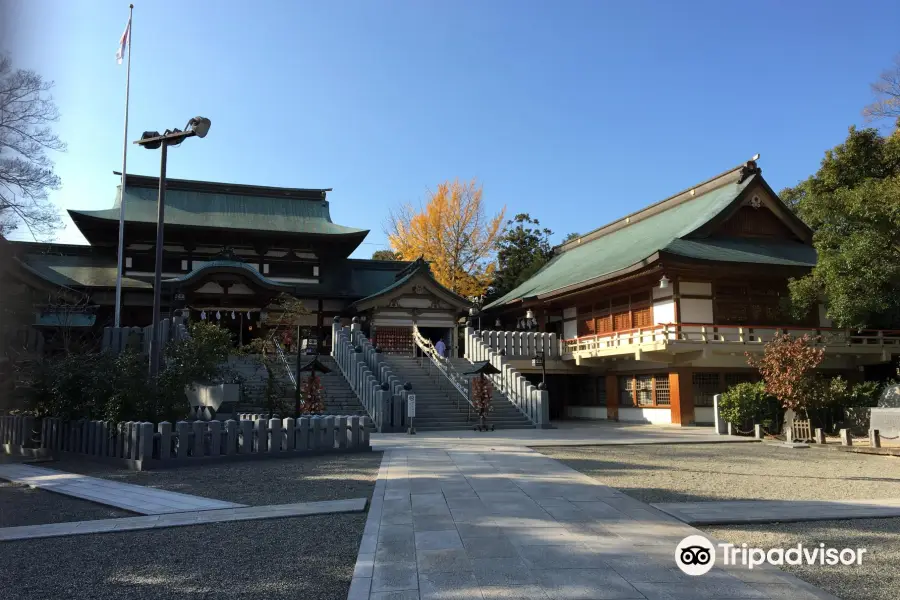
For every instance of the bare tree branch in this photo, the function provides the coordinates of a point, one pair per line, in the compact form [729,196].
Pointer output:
[887,95]
[26,172]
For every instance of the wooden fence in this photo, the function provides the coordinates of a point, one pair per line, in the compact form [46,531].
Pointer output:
[142,446]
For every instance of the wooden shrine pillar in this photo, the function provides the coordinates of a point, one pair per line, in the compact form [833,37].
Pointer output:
[681,396]
[612,397]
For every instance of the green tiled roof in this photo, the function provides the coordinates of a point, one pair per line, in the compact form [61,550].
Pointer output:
[233,264]
[197,208]
[744,250]
[78,271]
[632,244]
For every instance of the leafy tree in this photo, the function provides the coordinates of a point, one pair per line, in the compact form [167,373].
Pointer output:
[787,366]
[852,204]
[26,173]
[887,95]
[453,233]
[571,236]
[521,251]
[385,255]
[746,404]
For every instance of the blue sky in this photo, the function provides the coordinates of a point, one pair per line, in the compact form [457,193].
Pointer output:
[577,112]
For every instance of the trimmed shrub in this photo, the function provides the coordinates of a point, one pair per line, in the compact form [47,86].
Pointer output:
[746,404]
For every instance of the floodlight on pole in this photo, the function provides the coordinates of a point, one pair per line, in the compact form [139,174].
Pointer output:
[151,140]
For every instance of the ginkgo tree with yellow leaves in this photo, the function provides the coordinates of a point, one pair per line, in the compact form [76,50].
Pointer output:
[453,233]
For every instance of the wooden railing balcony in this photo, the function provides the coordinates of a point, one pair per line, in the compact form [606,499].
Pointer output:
[688,336]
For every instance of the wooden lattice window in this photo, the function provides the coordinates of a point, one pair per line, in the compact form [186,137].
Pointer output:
[622,321]
[661,390]
[604,324]
[626,390]
[706,385]
[643,317]
[644,390]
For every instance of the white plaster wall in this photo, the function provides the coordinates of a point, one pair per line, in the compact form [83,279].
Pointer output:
[703,415]
[414,302]
[586,412]
[695,288]
[696,310]
[655,416]
[570,329]
[664,312]
[659,292]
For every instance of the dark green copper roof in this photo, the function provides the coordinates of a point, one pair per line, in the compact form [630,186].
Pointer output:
[634,244]
[79,271]
[225,206]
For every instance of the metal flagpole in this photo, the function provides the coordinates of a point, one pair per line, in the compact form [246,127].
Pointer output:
[121,262]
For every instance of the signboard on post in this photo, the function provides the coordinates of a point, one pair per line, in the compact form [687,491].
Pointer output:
[411,406]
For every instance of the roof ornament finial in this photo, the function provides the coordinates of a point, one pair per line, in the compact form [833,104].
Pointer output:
[750,168]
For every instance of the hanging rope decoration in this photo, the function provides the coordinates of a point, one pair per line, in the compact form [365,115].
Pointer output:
[232,315]
[218,316]
[203,315]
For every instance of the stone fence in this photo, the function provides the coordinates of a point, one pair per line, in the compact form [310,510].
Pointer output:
[118,339]
[142,446]
[383,396]
[15,433]
[522,344]
[533,402]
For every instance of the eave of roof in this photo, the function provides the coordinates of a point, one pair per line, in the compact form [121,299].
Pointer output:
[231,266]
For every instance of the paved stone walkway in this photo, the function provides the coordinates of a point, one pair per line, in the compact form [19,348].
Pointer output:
[134,498]
[734,512]
[246,513]
[483,523]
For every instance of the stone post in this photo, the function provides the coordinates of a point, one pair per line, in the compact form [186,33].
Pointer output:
[182,428]
[757,431]
[262,436]
[275,437]
[246,437]
[145,449]
[328,433]
[846,439]
[133,434]
[290,437]
[819,436]
[199,430]
[341,431]
[721,427]
[730,429]
[315,434]
[303,437]
[355,436]
[215,437]
[231,434]
[165,440]
[875,438]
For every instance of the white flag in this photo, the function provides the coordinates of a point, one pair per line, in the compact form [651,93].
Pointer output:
[123,42]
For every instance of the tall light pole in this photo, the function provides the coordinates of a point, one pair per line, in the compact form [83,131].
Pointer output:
[151,140]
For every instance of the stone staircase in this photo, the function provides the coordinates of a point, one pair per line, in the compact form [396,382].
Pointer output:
[339,397]
[436,400]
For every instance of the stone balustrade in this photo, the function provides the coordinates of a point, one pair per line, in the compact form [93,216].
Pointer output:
[382,395]
[522,344]
[143,445]
[533,402]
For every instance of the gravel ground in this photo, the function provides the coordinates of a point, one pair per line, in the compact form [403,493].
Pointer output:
[21,505]
[307,557]
[256,483]
[877,578]
[708,472]
[712,472]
